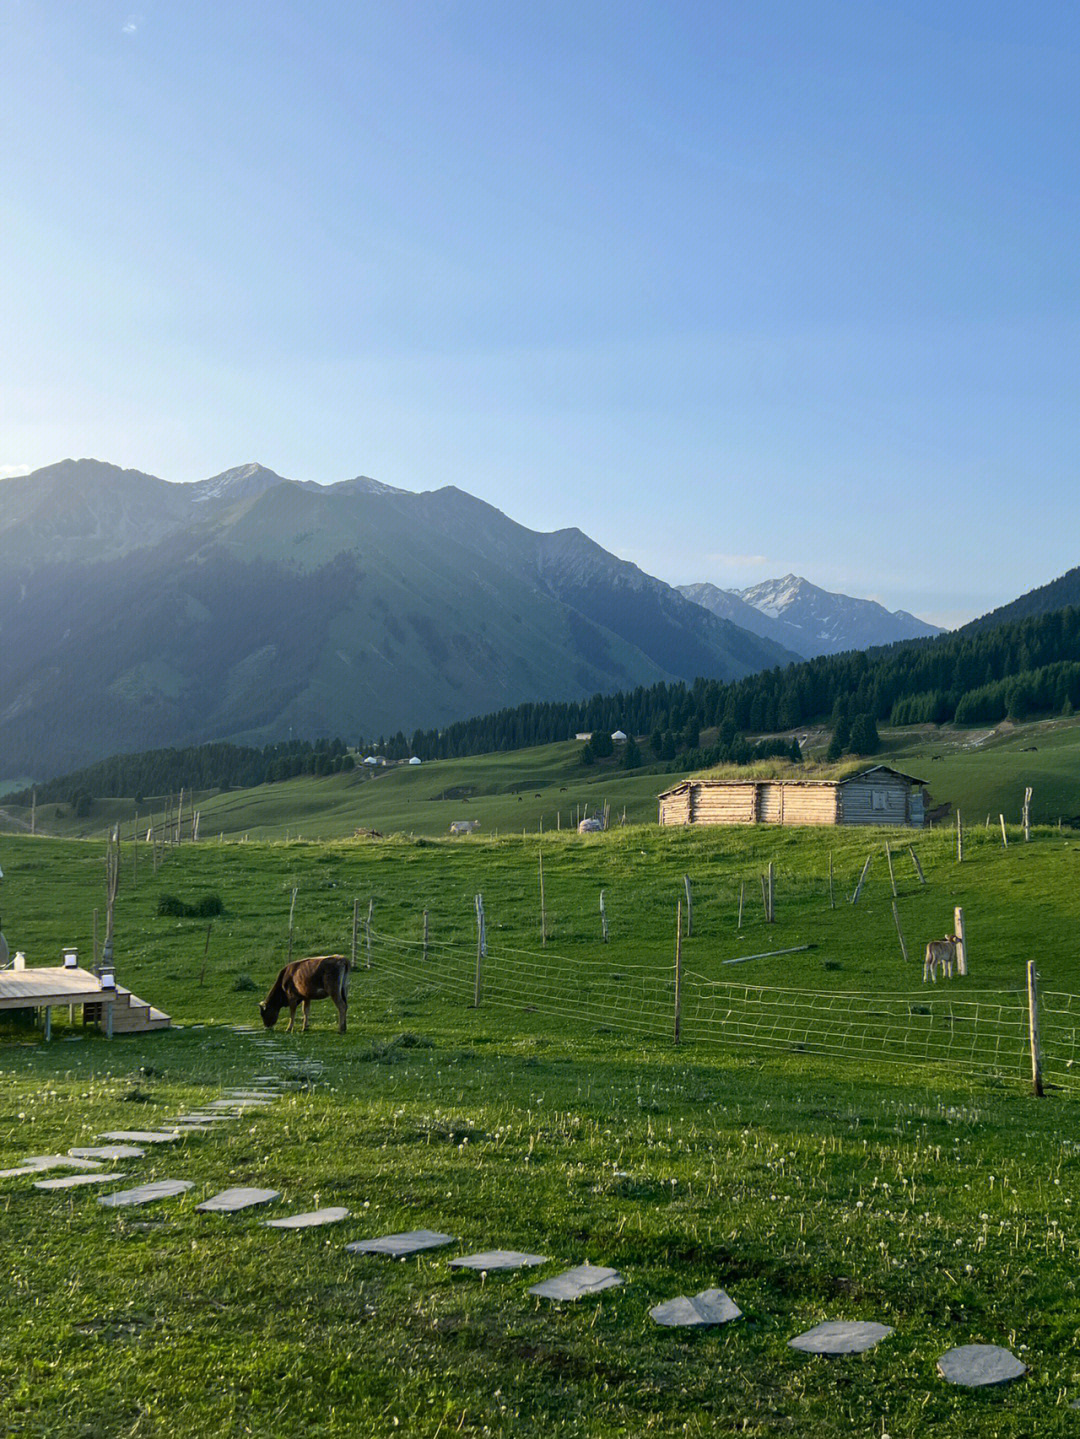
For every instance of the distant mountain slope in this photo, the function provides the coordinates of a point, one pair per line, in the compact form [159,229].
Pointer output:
[809,620]
[1056,595]
[135,613]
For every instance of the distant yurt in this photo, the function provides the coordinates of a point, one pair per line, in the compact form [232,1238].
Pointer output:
[618,736]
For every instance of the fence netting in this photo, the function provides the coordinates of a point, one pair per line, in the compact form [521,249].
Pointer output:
[983,1032]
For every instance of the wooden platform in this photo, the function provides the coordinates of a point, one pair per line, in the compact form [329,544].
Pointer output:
[37,988]
[114,1009]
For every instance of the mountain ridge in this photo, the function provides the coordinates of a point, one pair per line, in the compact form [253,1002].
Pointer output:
[808,619]
[137,613]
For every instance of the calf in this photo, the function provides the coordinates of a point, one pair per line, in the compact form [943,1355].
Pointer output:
[940,954]
[323,976]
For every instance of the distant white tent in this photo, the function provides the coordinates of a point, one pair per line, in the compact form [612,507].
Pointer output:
[414,759]
[618,736]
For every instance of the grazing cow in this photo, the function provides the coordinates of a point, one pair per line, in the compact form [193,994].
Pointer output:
[323,976]
[940,954]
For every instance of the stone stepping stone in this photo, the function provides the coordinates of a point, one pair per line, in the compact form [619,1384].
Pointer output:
[977,1366]
[59,1161]
[19,1171]
[574,1283]
[840,1336]
[311,1220]
[229,1201]
[400,1245]
[266,1079]
[711,1306]
[266,1095]
[72,1181]
[240,1104]
[493,1259]
[109,1151]
[146,1193]
[202,1118]
[142,1136]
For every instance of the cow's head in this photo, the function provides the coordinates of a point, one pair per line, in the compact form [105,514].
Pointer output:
[269,1013]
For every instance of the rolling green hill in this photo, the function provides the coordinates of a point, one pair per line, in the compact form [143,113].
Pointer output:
[982,771]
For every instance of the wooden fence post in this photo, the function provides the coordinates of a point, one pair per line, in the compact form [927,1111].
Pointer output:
[367,928]
[959,839]
[772,892]
[543,909]
[206,951]
[1027,814]
[425,935]
[961,941]
[481,949]
[292,908]
[862,877]
[1033,1029]
[603,920]
[899,931]
[915,862]
[892,876]
[832,899]
[1004,836]
[765,897]
[742,894]
[355,926]
[678,973]
[689,907]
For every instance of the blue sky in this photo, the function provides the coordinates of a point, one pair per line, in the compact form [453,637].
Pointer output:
[736,288]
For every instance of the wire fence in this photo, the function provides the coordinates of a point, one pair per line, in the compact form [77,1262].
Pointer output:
[982,1032]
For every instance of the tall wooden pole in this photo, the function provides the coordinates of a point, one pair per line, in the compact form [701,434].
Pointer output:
[1004,836]
[959,839]
[961,940]
[678,973]
[1027,814]
[292,908]
[425,934]
[367,929]
[832,900]
[355,926]
[1033,1029]
[689,907]
[892,876]
[543,911]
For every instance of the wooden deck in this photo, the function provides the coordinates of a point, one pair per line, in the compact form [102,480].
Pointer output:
[114,1009]
[37,988]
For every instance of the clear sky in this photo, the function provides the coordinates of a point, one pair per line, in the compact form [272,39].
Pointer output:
[737,288]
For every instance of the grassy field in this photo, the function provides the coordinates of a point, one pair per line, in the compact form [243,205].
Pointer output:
[982,771]
[923,1196]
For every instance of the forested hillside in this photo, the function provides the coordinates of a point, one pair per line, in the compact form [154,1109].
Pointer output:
[1013,671]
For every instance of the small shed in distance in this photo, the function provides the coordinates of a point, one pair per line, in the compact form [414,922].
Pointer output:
[878,795]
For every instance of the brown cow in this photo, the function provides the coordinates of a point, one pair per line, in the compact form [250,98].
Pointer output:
[940,954]
[323,976]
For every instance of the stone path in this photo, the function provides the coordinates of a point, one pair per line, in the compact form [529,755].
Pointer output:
[311,1220]
[230,1201]
[980,1366]
[574,1283]
[493,1259]
[401,1245]
[146,1193]
[75,1181]
[711,1306]
[839,1336]
[969,1365]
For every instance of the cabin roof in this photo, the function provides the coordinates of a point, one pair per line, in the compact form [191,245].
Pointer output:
[687,784]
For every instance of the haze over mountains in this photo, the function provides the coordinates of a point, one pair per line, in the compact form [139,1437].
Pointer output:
[811,621]
[136,613]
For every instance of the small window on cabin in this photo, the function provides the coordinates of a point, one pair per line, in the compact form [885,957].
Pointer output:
[877,799]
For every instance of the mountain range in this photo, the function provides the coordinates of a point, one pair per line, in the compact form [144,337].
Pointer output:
[810,621]
[137,613]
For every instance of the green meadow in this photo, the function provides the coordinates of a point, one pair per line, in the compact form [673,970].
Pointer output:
[558,1117]
[984,772]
